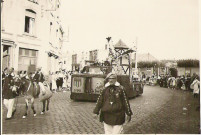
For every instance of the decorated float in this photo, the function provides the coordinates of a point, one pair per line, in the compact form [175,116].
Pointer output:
[88,84]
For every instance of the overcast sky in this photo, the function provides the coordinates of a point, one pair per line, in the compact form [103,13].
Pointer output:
[167,29]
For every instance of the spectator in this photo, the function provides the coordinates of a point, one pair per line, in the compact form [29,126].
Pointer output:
[59,80]
[4,74]
[193,77]
[9,95]
[54,84]
[64,85]
[179,83]
[196,89]
[50,80]
[183,83]
[25,73]
[39,78]
[21,74]
[187,82]
[165,82]
[69,81]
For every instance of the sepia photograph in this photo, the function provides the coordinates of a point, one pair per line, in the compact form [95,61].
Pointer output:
[100,66]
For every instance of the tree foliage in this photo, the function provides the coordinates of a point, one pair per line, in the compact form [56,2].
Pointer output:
[173,72]
[188,63]
[148,64]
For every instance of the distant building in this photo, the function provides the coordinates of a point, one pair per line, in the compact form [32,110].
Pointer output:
[188,71]
[148,71]
[31,35]
[87,57]
[146,57]
[66,61]
[188,67]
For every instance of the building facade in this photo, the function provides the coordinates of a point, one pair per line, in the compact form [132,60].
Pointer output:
[31,35]
[188,71]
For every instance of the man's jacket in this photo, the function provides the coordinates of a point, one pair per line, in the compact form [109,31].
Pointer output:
[7,88]
[113,105]
[39,77]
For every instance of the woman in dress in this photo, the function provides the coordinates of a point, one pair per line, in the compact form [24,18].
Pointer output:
[54,86]
[64,85]
[60,76]
[196,88]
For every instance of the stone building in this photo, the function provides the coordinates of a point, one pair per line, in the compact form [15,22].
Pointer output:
[31,35]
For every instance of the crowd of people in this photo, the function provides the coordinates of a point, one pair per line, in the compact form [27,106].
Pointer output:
[55,81]
[60,80]
[184,82]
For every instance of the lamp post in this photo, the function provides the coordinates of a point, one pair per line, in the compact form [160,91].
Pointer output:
[2,5]
[154,69]
[136,70]
[2,16]
[135,54]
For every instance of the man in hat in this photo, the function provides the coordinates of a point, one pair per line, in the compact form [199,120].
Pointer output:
[4,74]
[8,94]
[112,105]
[39,79]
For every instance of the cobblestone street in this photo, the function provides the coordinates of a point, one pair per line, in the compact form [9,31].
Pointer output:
[157,110]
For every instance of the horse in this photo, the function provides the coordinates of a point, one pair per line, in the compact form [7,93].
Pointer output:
[31,90]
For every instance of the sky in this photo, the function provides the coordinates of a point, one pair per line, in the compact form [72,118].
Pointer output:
[167,29]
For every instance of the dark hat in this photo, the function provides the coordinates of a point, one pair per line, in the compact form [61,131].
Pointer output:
[38,68]
[111,76]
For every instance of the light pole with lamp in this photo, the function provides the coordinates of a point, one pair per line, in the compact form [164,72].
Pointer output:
[135,58]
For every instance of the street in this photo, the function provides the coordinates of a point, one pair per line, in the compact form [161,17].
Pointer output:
[157,110]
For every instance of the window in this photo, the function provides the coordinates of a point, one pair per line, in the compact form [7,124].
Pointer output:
[20,52]
[33,53]
[27,52]
[74,59]
[29,24]
[93,55]
[30,16]
[5,50]
[27,59]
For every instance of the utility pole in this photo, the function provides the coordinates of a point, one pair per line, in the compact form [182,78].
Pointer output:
[136,70]
[2,16]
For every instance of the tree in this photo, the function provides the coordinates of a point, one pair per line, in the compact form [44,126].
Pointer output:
[188,63]
[148,64]
[173,72]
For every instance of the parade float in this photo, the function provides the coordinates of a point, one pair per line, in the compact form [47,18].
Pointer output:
[87,85]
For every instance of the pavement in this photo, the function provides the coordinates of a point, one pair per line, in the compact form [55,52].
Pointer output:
[157,111]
